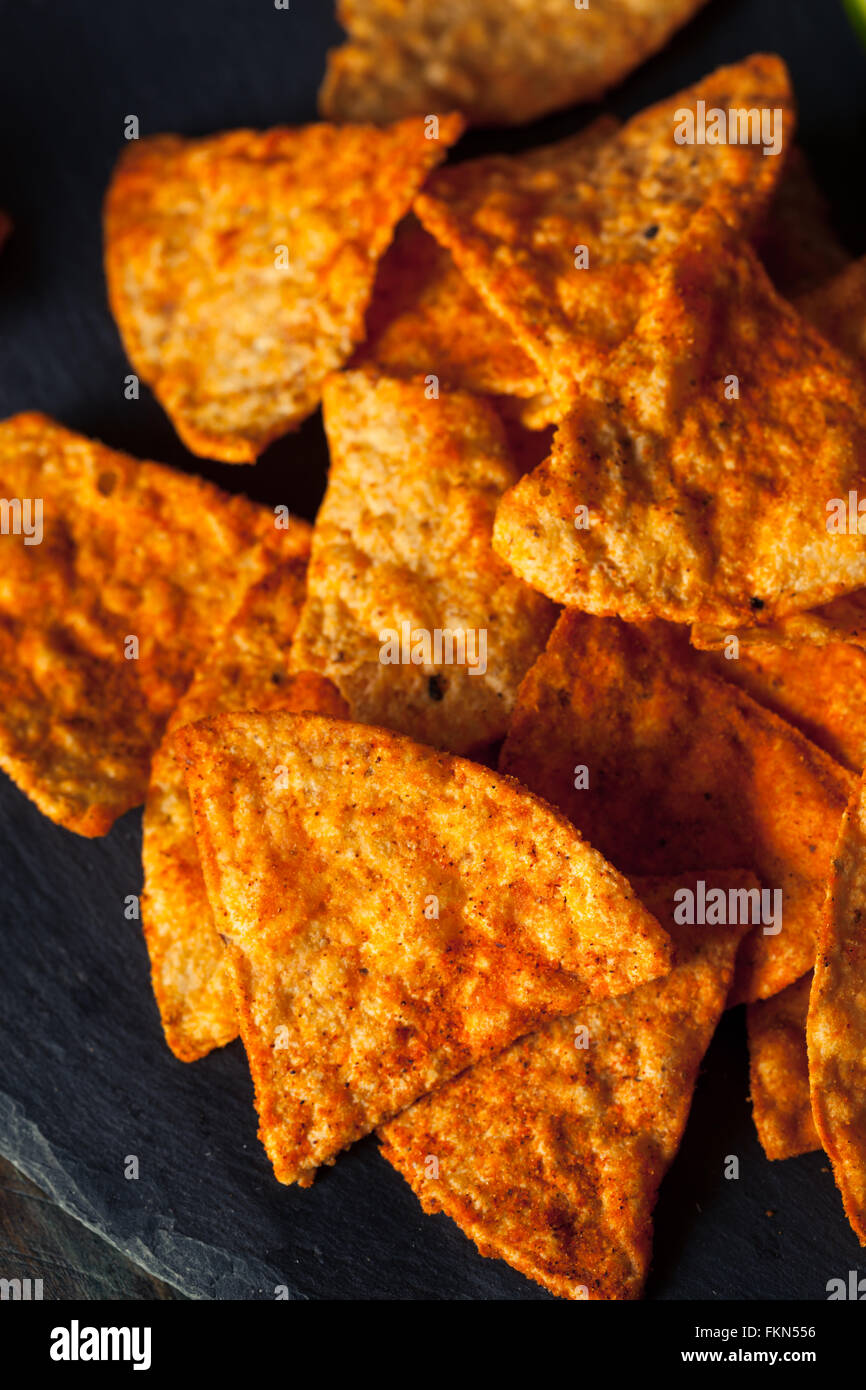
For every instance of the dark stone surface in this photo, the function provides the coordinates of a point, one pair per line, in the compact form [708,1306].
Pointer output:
[86,1079]
[38,1241]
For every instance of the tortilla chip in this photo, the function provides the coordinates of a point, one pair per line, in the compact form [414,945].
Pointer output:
[700,508]
[240,266]
[838,309]
[401,552]
[685,772]
[500,64]
[130,550]
[425,317]
[797,243]
[394,914]
[248,670]
[550,1155]
[836,1029]
[779,1072]
[513,222]
[820,690]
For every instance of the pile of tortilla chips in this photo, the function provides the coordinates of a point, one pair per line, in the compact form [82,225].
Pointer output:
[597,425]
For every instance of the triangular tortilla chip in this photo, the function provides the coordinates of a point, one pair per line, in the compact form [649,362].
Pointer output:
[838,310]
[683,770]
[130,550]
[515,223]
[797,242]
[240,266]
[500,64]
[779,1072]
[836,1028]
[550,1155]
[820,690]
[401,554]
[394,914]
[425,317]
[247,670]
[700,505]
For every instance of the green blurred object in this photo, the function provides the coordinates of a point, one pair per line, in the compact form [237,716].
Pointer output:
[856,10]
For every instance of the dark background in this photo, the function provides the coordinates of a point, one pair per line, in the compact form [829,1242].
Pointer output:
[85,1078]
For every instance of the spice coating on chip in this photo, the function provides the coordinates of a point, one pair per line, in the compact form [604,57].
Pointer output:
[409,612]
[394,914]
[247,670]
[550,1155]
[240,266]
[106,609]
[561,241]
[683,770]
[706,455]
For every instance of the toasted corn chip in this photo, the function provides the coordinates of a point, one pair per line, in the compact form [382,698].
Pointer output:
[550,1155]
[695,480]
[820,690]
[394,915]
[103,622]
[779,1071]
[240,266]
[562,242]
[665,769]
[409,612]
[248,670]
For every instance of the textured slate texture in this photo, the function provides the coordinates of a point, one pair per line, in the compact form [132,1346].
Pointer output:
[39,1241]
[86,1080]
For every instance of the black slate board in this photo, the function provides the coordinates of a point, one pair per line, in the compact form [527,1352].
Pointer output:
[86,1080]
